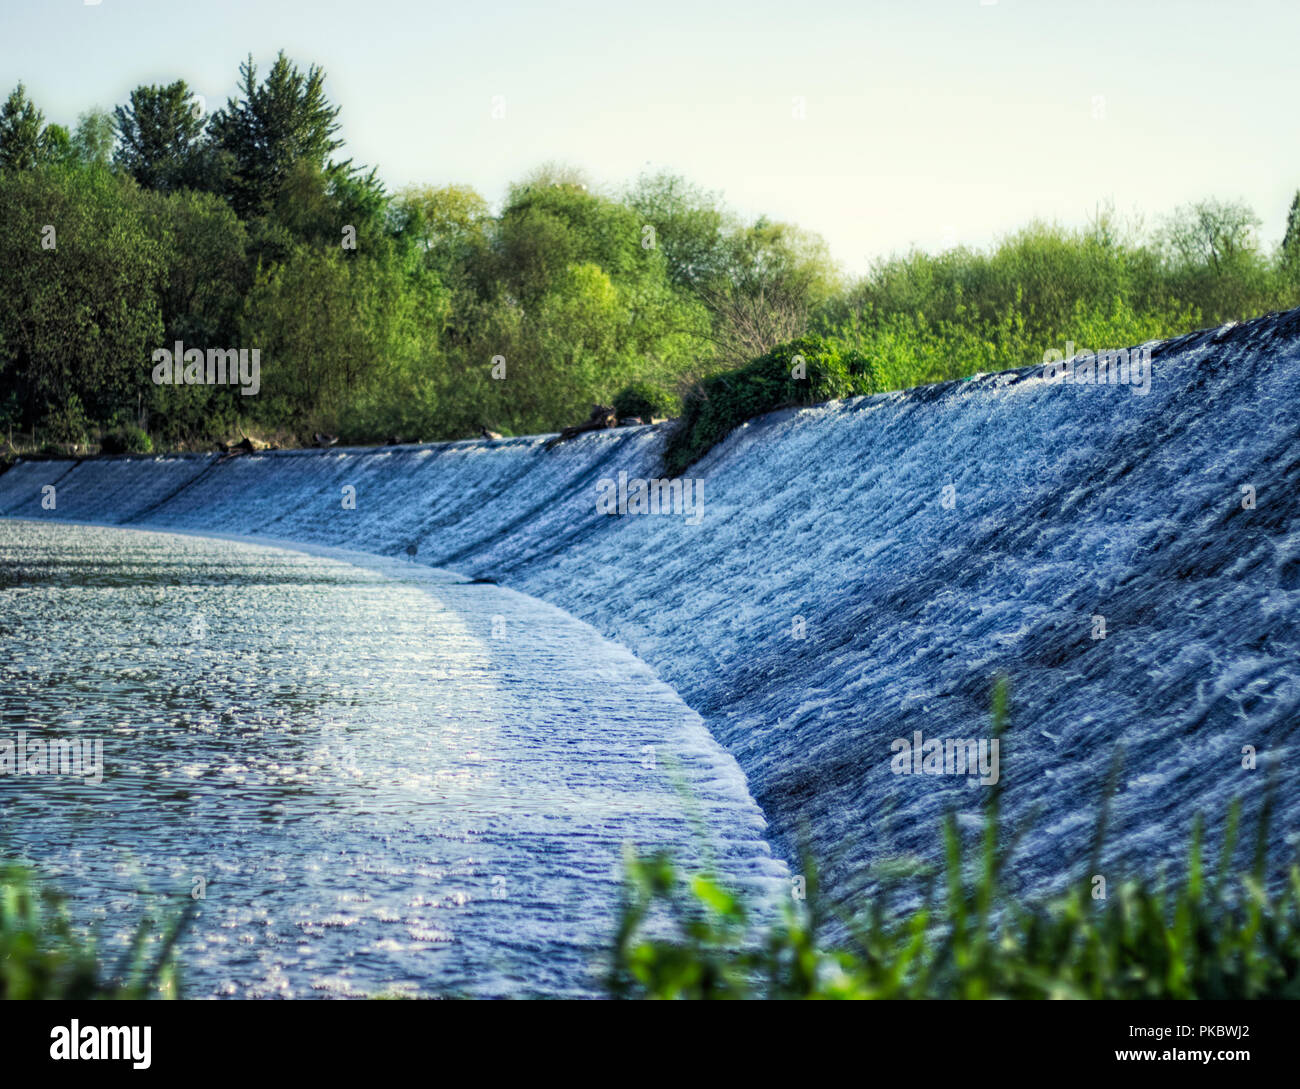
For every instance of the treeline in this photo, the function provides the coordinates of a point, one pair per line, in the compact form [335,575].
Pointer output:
[929,317]
[424,314]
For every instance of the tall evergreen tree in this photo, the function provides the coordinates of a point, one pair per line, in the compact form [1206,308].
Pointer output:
[160,136]
[23,135]
[270,128]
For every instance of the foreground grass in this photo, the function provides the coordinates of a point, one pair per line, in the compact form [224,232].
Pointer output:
[43,957]
[1208,936]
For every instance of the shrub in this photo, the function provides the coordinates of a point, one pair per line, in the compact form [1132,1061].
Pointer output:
[128,439]
[66,423]
[802,372]
[645,401]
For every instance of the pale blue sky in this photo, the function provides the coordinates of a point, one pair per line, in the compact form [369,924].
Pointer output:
[926,121]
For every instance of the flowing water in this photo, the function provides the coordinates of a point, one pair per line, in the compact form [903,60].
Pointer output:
[381,781]
[1129,557]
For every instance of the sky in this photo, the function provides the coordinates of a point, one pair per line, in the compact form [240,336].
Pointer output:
[879,124]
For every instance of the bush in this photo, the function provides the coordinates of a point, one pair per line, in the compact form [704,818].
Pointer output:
[128,439]
[66,423]
[645,402]
[802,372]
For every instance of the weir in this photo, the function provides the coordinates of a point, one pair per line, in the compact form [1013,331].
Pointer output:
[863,570]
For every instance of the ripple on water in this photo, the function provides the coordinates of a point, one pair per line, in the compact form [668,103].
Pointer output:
[379,795]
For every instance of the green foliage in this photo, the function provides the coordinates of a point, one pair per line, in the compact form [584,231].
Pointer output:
[83,315]
[645,401]
[25,140]
[201,295]
[338,335]
[1212,255]
[451,229]
[270,127]
[202,246]
[381,315]
[774,277]
[10,411]
[560,288]
[66,422]
[43,957]
[314,205]
[691,227]
[909,350]
[159,133]
[708,958]
[548,226]
[92,142]
[1204,265]
[127,439]
[802,372]
[1290,251]
[964,936]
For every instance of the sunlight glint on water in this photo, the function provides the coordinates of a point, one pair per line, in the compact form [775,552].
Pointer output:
[380,796]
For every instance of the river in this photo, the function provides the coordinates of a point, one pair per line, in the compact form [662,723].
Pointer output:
[381,777]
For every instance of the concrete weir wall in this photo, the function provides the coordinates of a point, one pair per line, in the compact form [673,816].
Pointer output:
[864,568]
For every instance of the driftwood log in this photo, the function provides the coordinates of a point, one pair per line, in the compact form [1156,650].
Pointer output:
[602,416]
[245,445]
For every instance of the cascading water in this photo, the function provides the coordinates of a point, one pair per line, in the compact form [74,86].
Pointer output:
[863,569]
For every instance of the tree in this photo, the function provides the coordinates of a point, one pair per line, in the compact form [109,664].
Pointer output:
[359,201]
[56,146]
[160,133]
[690,226]
[772,277]
[316,204]
[25,140]
[450,226]
[1214,260]
[202,244]
[552,221]
[449,231]
[81,315]
[92,142]
[271,127]
[204,279]
[330,326]
[1291,239]
[1211,233]
[561,286]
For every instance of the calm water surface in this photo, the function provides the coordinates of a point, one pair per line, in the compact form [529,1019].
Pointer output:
[389,780]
